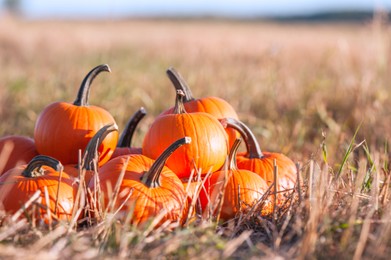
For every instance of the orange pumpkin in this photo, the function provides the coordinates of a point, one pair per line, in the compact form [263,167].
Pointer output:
[205,154]
[17,185]
[90,155]
[62,128]
[15,150]
[124,145]
[148,187]
[193,188]
[262,163]
[215,106]
[232,190]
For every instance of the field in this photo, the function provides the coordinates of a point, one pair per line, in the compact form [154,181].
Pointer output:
[318,93]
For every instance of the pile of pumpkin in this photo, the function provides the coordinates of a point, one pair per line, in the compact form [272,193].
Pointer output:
[188,164]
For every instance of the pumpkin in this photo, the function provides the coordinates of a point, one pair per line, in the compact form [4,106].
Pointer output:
[148,187]
[124,145]
[15,150]
[262,163]
[231,191]
[90,155]
[193,187]
[205,154]
[17,185]
[215,106]
[62,128]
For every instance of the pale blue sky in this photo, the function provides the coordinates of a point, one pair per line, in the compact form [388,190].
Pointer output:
[238,8]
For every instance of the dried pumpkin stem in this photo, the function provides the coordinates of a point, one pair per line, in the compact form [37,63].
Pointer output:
[91,151]
[180,84]
[84,90]
[179,108]
[151,178]
[253,149]
[125,139]
[232,154]
[34,168]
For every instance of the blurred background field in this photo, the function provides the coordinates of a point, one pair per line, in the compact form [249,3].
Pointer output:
[289,81]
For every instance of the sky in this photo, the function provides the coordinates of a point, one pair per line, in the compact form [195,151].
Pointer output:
[228,8]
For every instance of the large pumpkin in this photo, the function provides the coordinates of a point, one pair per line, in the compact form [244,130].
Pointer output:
[206,153]
[262,163]
[62,128]
[231,191]
[124,145]
[17,185]
[215,106]
[16,150]
[148,187]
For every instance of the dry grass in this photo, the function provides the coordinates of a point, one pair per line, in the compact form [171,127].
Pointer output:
[303,89]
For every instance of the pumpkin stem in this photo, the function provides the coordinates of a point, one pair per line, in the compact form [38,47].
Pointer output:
[180,84]
[91,150]
[34,168]
[232,154]
[125,139]
[253,149]
[151,178]
[179,108]
[84,90]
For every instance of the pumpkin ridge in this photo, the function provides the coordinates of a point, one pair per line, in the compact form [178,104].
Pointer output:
[194,149]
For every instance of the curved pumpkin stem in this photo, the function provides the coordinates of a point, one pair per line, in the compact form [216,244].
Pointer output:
[34,168]
[232,154]
[253,149]
[179,108]
[179,84]
[84,90]
[91,150]
[125,139]
[151,178]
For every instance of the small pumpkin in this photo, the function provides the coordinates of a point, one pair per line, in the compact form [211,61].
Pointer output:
[16,150]
[62,128]
[17,185]
[215,106]
[232,190]
[90,155]
[262,163]
[205,154]
[150,187]
[124,145]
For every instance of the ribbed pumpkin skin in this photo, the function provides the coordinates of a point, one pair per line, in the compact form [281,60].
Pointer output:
[207,151]
[217,107]
[252,188]
[264,168]
[147,202]
[15,150]
[63,128]
[15,190]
